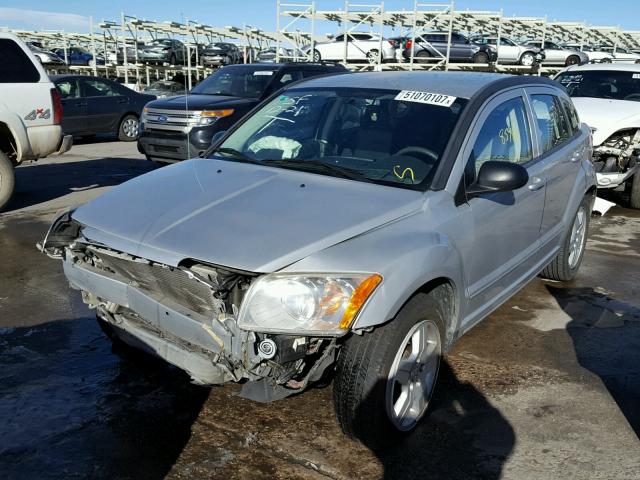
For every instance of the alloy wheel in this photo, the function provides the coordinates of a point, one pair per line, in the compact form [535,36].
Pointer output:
[130,128]
[413,375]
[576,241]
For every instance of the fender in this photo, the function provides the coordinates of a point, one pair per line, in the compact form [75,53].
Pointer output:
[19,132]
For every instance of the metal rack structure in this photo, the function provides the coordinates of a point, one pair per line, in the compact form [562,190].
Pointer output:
[296,36]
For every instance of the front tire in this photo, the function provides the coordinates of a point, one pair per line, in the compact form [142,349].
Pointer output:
[527,59]
[422,56]
[373,57]
[568,260]
[634,193]
[385,378]
[129,127]
[317,58]
[7,179]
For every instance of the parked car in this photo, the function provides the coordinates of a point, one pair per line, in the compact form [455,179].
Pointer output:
[78,56]
[163,50]
[360,46]
[607,97]
[46,57]
[220,53]
[97,105]
[165,88]
[361,223]
[510,52]
[594,54]
[131,53]
[622,55]
[554,54]
[433,46]
[183,127]
[30,112]
[268,55]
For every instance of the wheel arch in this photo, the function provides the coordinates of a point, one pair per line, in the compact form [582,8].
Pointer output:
[9,143]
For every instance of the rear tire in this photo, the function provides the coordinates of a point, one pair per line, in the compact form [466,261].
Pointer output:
[422,56]
[481,57]
[7,179]
[376,369]
[527,59]
[634,192]
[572,60]
[373,56]
[568,260]
[128,129]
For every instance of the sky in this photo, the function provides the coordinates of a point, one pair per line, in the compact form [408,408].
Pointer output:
[73,15]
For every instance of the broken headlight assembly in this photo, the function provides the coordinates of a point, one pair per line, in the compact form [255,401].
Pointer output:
[313,304]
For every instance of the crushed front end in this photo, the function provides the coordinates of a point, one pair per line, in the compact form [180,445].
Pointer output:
[187,315]
[618,158]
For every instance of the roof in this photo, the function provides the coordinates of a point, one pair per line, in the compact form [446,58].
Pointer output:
[457,84]
[620,67]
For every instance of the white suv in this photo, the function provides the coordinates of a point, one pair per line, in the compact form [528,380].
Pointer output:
[360,46]
[30,112]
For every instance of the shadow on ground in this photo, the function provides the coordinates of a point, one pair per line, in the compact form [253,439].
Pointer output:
[464,437]
[73,410]
[606,337]
[40,182]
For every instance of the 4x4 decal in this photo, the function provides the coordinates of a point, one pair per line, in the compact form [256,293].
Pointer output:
[38,113]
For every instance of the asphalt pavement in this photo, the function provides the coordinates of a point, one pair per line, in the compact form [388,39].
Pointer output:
[546,387]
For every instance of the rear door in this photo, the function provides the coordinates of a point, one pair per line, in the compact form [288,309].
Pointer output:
[74,107]
[106,103]
[556,134]
[505,226]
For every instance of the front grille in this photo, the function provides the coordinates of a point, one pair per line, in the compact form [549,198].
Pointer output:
[162,283]
[176,120]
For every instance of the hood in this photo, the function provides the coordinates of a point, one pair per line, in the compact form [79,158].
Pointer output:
[607,116]
[200,102]
[242,216]
[212,51]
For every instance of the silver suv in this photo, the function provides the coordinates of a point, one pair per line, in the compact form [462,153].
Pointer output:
[353,223]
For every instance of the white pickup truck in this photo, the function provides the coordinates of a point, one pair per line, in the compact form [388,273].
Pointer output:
[30,112]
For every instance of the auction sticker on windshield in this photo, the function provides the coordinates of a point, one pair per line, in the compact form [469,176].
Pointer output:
[426,97]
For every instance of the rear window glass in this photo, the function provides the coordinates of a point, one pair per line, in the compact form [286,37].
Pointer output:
[16,67]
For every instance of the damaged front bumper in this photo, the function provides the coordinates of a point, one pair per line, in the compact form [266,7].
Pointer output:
[188,316]
[615,179]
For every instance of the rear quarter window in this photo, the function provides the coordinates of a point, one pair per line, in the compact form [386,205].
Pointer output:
[16,66]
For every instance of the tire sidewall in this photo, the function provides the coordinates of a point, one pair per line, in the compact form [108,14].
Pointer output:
[634,191]
[481,57]
[121,135]
[572,272]
[7,180]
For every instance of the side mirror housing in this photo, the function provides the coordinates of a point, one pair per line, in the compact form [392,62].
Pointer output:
[495,176]
[217,137]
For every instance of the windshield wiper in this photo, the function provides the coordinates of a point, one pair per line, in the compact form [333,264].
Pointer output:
[319,167]
[235,154]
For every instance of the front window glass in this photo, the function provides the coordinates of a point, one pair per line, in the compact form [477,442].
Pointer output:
[505,135]
[98,88]
[553,128]
[236,81]
[357,133]
[616,85]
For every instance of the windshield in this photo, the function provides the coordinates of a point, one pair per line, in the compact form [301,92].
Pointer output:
[367,135]
[617,85]
[236,81]
[159,42]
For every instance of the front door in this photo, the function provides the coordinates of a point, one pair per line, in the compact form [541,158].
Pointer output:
[505,226]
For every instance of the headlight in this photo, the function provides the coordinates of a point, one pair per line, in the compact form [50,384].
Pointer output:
[207,117]
[322,304]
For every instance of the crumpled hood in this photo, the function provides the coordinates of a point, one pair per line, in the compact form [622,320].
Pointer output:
[242,216]
[607,116]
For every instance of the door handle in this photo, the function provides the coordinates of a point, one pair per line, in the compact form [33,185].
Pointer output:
[123,100]
[536,184]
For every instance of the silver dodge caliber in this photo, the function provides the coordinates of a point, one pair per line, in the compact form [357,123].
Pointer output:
[354,225]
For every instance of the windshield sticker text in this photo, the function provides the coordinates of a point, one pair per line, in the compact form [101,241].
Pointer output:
[426,97]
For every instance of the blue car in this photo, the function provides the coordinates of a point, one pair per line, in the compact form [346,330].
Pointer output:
[78,56]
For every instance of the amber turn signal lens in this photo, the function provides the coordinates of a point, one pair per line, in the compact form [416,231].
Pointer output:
[358,299]
[217,113]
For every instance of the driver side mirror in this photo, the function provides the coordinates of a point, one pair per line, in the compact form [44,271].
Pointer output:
[495,176]
[217,137]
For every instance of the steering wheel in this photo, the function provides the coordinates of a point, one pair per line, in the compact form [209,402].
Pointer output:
[417,150]
[632,96]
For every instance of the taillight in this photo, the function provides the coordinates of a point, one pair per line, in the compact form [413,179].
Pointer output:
[408,44]
[56,100]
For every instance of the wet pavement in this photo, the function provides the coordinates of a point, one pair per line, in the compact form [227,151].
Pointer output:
[546,387]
